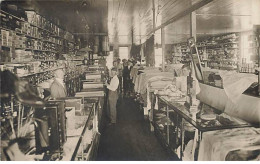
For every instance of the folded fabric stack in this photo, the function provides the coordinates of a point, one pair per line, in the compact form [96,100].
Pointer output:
[230,144]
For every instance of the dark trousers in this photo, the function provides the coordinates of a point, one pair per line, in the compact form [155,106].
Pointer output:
[112,101]
[120,84]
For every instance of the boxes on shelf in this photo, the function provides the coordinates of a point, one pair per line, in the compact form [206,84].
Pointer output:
[31,16]
[22,56]
[5,56]
[4,37]
[35,66]
[4,20]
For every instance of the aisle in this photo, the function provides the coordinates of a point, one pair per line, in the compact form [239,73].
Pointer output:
[130,139]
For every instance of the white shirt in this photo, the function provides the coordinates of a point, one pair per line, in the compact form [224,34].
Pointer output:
[113,84]
[60,81]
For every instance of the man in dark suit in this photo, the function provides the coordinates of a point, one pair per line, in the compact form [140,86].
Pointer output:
[126,78]
[58,88]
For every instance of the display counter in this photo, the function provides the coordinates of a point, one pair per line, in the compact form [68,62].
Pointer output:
[82,139]
[175,124]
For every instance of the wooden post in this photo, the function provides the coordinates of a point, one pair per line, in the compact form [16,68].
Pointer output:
[193,25]
[163,48]
[153,16]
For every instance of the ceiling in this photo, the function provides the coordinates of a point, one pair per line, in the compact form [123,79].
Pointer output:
[131,21]
[76,16]
[127,18]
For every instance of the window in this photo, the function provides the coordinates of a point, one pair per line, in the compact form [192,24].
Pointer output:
[158,56]
[109,60]
[123,53]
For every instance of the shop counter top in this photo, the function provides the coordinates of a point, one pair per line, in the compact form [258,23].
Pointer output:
[204,122]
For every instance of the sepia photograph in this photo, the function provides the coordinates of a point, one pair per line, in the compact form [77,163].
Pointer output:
[130,80]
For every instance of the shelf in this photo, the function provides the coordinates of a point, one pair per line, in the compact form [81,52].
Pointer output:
[33,37]
[50,42]
[19,33]
[231,37]
[229,43]
[37,50]
[53,34]
[231,47]
[12,15]
[29,36]
[6,46]
[41,28]
[41,72]
[76,59]
[27,62]
[50,60]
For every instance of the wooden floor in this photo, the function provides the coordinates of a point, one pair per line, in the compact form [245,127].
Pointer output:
[130,139]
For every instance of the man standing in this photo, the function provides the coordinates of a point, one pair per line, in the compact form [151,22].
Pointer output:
[58,88]
[126,78]
[119,73]
[112,94]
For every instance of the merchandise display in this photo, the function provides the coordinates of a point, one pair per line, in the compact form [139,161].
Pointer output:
[138,80]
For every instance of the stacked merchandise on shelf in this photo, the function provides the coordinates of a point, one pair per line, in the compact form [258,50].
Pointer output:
[220,52]
[147,80]
[32,44]
[180,53]
[34,35]
[249,58]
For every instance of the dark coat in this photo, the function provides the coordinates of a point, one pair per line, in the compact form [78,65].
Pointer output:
[126,72]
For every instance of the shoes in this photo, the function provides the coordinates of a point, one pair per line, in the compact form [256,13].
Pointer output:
[22,90]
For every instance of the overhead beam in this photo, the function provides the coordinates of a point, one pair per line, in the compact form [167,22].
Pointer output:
[194,7]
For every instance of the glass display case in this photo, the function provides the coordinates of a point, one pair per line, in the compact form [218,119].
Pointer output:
[176,123]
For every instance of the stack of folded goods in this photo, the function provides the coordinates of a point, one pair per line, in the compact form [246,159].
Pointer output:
[158,117]
[88,85]
[142,78]
[159,82]
[172,93]
[208,118]
[162,120]
[90,94]
[96,77]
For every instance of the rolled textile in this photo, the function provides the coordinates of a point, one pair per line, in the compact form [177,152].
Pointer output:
[215,97]
[236,83]
[231,99]
[246,108]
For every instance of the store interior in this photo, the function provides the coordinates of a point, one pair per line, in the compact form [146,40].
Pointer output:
[186,87]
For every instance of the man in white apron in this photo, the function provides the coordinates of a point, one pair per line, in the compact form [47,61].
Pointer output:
[113,94]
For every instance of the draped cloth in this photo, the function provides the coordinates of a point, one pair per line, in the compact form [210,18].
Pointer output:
[135,52]
[149,51]
[230,144]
